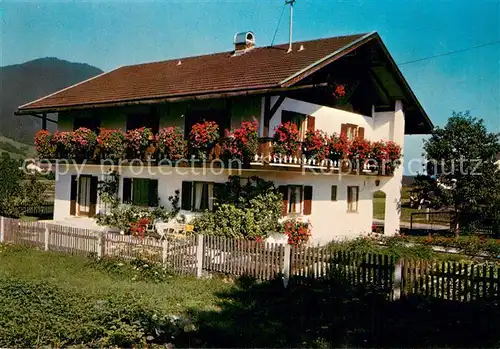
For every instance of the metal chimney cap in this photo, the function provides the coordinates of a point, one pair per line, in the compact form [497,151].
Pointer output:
[247,37]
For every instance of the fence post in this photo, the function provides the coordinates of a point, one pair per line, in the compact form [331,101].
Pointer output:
[2,229]
[286,265]
[46,238]
[164,249]
[101,245]
[398,279]
[199,256]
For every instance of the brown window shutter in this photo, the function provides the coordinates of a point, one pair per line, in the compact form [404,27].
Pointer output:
[73,195]
[187,190]
[127,190]
[361,132]
[308,195]
[93,196]
[153,193]
[343,129]
[283,189]
[311,123]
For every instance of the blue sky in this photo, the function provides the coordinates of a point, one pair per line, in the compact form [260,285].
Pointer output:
[113,33]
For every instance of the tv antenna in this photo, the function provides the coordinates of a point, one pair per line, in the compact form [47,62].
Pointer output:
[290,2]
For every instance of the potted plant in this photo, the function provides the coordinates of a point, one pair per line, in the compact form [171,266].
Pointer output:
[63,146]
[84,142]
[316,145]
[111,144]
[341,93]
[243,142]
[203,137]
[379,154]
[360,151]
[138,143]
[286,140]
[394,156]
[44,146]
[170,144]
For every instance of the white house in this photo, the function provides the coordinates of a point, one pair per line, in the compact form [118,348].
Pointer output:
[267,84]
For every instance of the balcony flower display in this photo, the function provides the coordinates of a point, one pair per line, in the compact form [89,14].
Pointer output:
[84,142]
[170,144]
[111,144]
[339,147]
[298,232]
[286,140]
[44,146]
[203,137]
[378,153]
[360,150]
[316,145]
[243,142]
[63,145]
[138,143]
[394,156]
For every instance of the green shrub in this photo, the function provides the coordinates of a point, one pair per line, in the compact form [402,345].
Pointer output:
[249,211]
[138,269]
[34,314]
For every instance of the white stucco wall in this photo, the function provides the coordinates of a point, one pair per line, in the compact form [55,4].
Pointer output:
[330,219]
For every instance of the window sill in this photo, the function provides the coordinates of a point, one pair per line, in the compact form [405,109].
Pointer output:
[352,212]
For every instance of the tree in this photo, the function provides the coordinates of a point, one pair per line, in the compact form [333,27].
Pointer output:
[461,169]
[10,184]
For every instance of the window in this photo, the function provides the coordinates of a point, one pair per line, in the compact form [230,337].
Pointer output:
[297,199]
[198,196]
[352,131]
[140,191]
[334,193]
[295,194]
[352,199]
[92,123]
[151,120]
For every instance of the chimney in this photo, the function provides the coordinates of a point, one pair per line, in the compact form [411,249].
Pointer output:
[243,42]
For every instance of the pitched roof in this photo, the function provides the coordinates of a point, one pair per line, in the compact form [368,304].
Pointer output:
[262,70]
[263,67]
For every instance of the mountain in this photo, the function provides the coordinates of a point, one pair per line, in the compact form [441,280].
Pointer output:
[22,83]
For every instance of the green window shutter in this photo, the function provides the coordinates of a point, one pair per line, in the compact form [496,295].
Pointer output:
[153,193]
[334,193]
[127,190]
[140,192]
[73,195]
[186,195]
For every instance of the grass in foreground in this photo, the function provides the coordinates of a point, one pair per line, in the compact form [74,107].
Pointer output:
[60,300]
[48,298]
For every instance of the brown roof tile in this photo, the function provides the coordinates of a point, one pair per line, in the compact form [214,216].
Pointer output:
[260,68]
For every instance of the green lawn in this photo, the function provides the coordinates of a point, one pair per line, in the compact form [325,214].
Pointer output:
[39,290]
[55,300]
[379,209]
